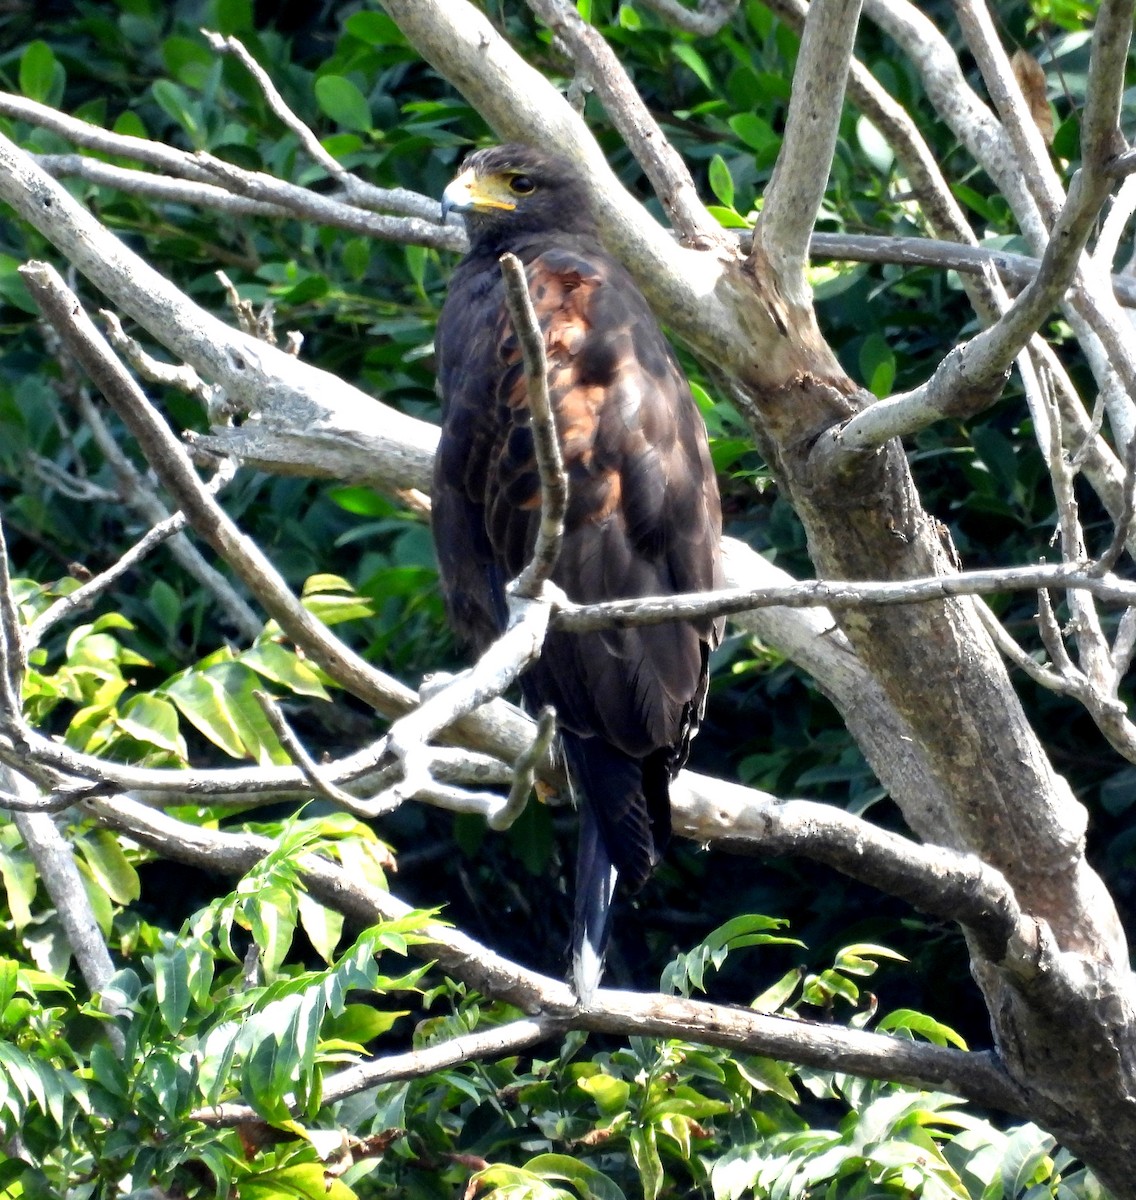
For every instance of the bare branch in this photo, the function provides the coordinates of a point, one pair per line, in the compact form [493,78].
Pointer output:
[1123,529]
[55,865]
[709,18]
[1014,269]
[1112,230]
[283,200]
[13,654]
[418,211]
[276,102]
[546,442]
[299,754]
[486,680]
[267,381]
[1093,319]
[972,375]
[837,593]
[175,375]
[794,194]
[141,497]
[1052,680]
[1032,155]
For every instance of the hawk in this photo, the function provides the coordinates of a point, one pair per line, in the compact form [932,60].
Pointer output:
[644,516]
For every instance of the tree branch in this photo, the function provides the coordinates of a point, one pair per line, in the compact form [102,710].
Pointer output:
[838,594]
[267,381]
[546,441]
[709,18]
[972,1076]
[494,1042]
[794,194]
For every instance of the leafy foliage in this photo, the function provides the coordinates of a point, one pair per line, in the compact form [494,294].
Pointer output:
[247,994]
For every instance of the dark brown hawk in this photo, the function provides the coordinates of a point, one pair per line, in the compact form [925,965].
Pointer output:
[644,518]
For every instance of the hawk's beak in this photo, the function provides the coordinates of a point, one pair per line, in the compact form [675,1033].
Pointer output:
[469,192]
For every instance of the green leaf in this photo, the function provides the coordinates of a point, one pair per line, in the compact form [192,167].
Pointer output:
[767,1076]
[721,181]
[686,54]
[171,987]
[20,882]
[877,364]
[219,702]
[285,667]
[1026,1159]
[755,132]
[167,605]
[343,102]
[152,720]
[906,1019]
[645,1153]
[38,67]
[998,454]
[9,975]
[361,501]
[876,148]
[610,1094]
[590,1183]
[272,917]
[728,218]
[377,29]
[174,101]
[304,1181]
[323,925]
[109,866]
[361,1023]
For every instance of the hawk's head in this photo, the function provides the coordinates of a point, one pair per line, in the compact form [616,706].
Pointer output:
[505,191]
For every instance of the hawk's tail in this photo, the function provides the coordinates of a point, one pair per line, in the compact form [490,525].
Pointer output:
[624,825]
[591,922]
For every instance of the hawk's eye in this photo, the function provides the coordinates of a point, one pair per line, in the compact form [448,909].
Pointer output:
[521,185]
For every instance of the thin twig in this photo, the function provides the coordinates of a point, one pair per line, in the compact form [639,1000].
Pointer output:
[12,647]
[794,194]
[495,670]
[298,753]
[1010,649]
[171,464]
[55,864]
[710,16]
[542,422]
[1123,647]
[83,597]
[837,594]
[276,102]
[175,375]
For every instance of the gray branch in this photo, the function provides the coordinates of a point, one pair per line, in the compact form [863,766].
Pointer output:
[794,194]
